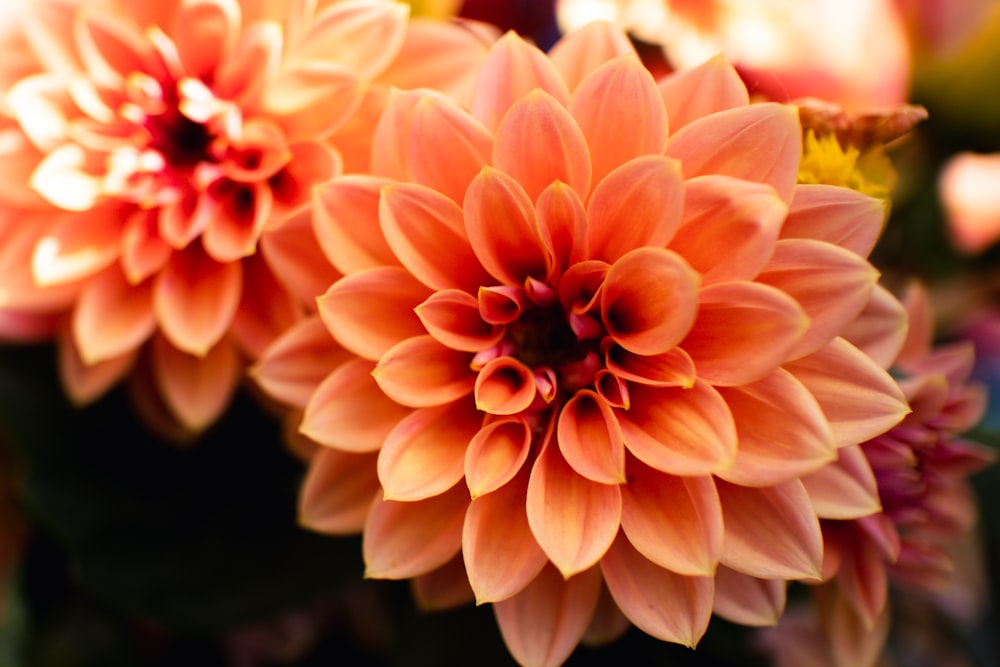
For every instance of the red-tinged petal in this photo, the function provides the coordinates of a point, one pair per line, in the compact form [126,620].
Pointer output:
[673,368]
[434,123]
[500,305]
[443,588]
[845,488]
[675,522]
[195,299]
[111,317]
[296,259]
[403,540]
[859,398]
[501,555]
[501,227]
[680,431]
[538,143]
[542,624]
[310,164]
[843,217]
[669,606]
[337,492]
[196,388]
[420,372]
[513,69]
[349,411]
[781,429]
[346,223]
[620,93]
[452,317]
[60,178]
[362,37]
[584,49]
[760,142]
[562,223]
[84,383]
[743,331]
[590,438]
[426,232]
[143,252]
[580,288]
[637,204]
[729,227]
[880,329]
[313,100]
[649,300]
[266,309]
[424,455]
[771,532]
[241,214]
[205,34]
[831,284]
[700,91]
[77,247]
[297,362]
[573,518]
[504,386]
[495,454]
[740,598]
[370,311]
[255,60]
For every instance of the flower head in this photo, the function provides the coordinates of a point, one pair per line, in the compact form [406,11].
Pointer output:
[592,347]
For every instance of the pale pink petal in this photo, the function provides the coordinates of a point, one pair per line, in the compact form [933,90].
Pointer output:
[402,540]
[452,317]
[496,453]
[583,50]
[513,69]
[345,221]
[205,34]
[725,212]
[673,368]
[426,232]
[424,455]
[840,216]
[771,532]
[111,317]
[761,142]
[297,362]
[679,431]
[77,247]
[501,555]
[590,438]
[669,606]
[443,588]
[860,400]
[500,223]
[337,492]
[920,323]
[880,329]
[195,298]
[370,311]
[504,386]
[675,522]
[781,429]
[349,411]
[699,91]
[562,223]
[637,204]
[84,383]
[573,518]
[746,600]
[831,284]
[420,372]
[845,488]
[296,259]
[620,93]
[743,331]
[649,300]
[195,388]
[543,623]
[538,142]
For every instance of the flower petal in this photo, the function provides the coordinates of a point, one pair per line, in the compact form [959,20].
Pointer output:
[771,532]
[538,142]
[680,431]
[573,518]
[420,372]
[673,368]
[501,555]
[370,311]
[562,224]
[637,204]
[845,488]
[743,331]
[495,454]
[296,260]
[112,317]
[345,221]
[424,455]
[781,429]
[312,100]
[584,49]
[337,492]
[504,386]
[843,217]
[675,522]
[76,247]
[746,600]
[692,93]
[402,540]
[205,33]
[452,317]
[84,383]
[443,588]
[590,439]
[880,329]
[195,388]
[669,606]
[649,300]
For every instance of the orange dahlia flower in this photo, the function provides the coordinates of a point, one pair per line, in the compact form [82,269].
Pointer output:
[151,148]
[585,353]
